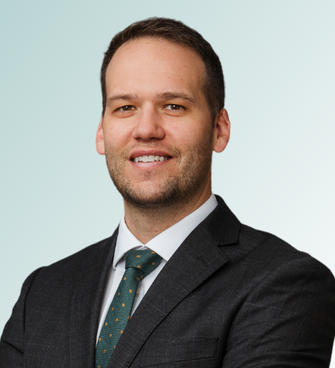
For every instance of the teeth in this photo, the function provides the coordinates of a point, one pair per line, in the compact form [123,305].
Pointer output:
[150,158]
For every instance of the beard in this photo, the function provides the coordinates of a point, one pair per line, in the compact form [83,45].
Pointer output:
[194,166]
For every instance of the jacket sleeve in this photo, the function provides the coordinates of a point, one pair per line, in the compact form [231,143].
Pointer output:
[287,320]
[13,337]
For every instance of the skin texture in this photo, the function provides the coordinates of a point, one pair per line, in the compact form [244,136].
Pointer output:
[156,106]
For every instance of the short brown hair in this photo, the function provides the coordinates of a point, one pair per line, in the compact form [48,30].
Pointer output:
[174,31]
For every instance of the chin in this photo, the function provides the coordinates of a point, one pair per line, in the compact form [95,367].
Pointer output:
[150,200]
[145,198]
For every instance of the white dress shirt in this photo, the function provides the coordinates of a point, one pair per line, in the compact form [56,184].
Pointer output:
[164,244]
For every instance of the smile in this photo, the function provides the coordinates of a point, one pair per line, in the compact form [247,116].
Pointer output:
[150,158]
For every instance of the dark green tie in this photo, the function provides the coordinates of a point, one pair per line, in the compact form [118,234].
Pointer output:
[139,263]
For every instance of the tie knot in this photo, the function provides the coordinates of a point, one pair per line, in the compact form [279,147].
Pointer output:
[143,260]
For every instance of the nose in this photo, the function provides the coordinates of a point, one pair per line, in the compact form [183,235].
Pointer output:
[148,125]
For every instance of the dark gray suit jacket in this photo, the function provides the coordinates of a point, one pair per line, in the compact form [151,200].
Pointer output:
[230,297]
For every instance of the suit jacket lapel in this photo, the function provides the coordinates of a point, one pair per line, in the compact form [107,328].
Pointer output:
[195,260]
[86,304]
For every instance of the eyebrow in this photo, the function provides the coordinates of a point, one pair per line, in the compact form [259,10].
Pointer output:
[158,97]
[126,97]
[172,95]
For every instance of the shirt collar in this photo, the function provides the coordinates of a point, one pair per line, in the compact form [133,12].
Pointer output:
[167,242]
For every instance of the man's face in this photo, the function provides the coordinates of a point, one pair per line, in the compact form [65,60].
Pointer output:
[156,131]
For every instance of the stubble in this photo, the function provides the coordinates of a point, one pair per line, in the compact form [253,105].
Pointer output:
[194,166]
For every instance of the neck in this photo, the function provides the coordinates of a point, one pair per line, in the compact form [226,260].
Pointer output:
[145,224]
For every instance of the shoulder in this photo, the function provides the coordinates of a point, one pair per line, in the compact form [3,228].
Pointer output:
[70,269]
[273,268]
[272,249]
[268,252]
[259,259]
[255,253]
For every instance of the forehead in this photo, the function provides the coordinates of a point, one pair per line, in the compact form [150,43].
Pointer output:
[154,63]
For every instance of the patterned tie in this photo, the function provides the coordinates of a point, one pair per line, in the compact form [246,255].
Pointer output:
[139,263]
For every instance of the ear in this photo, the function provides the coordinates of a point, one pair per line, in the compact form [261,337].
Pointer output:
[99,139]
[221,133]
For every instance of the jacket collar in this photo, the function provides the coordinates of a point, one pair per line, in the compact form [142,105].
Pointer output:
[198,257]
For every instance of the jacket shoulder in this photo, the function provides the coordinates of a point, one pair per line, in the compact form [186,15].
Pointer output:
[83,261]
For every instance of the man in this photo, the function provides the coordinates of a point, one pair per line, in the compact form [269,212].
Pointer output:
[181,282]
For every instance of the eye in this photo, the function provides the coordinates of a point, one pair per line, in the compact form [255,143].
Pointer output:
[125,108]
[174,107]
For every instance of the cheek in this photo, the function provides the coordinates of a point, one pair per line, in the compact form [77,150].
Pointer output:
[181,132]
[189,137]
[116,135]
[188,141]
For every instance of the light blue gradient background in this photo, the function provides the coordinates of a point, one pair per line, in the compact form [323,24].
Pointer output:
[277,173]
